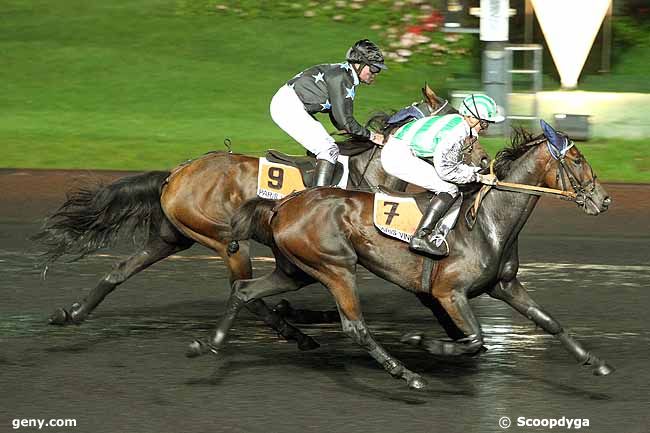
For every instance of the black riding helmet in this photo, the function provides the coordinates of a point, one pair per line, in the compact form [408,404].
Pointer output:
[366,52]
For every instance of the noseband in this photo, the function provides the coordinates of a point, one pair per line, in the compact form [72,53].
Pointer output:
[583,191]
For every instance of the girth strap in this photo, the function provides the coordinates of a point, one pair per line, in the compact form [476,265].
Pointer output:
[427,270]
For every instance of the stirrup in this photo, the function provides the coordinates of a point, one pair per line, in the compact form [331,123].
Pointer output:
[439,241]
[433,246]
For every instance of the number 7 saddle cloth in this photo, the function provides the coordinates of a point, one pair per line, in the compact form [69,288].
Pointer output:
[398,215]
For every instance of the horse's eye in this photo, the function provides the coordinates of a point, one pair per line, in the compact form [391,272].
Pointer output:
[577,161]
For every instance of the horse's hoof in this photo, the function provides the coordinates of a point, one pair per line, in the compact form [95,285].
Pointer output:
[233,247]
[59,317]
[412,338]
[416,382]
[283,308]
[308,343]
[603,369]
[479,351]
[196,348]
[75,314]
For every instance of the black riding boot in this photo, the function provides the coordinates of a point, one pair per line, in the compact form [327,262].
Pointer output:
[421,242]
[324,173]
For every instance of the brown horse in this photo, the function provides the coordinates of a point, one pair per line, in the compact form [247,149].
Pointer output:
[322,235]
[195,204]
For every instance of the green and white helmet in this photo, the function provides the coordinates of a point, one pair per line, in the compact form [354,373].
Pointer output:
[482,107]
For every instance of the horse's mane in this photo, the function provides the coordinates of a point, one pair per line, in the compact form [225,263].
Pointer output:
[521,141]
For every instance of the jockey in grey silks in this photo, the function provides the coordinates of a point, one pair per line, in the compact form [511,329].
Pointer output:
[327,88]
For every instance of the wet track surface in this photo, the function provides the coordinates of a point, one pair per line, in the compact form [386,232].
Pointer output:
[124,370]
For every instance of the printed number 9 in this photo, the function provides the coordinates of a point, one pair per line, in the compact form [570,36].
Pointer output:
[277,177]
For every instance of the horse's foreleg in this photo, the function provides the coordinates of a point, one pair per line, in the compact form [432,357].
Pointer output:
[456,316]
[515,294]
[443,318]
[240,268]
[245,292]
[155,250]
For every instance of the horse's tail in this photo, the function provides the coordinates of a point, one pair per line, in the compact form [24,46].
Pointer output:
[252,220]
[93,216]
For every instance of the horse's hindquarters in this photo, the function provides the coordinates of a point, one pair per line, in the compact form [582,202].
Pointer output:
[201,197]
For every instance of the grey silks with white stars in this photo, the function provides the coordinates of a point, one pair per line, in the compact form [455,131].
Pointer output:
[330,88]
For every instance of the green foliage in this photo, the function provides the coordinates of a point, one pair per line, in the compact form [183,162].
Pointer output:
[629,33]
[146,84]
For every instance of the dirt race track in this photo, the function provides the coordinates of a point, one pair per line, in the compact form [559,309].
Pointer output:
[124,370]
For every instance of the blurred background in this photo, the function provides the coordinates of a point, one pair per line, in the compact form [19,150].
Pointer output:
[147,84]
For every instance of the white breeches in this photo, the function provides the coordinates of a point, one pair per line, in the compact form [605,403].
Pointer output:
[288,112]
[399,161]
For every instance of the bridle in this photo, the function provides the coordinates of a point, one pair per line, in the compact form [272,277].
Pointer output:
[583,191]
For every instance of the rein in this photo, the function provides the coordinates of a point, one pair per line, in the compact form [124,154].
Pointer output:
[579,194]
[539,190]
[372,155]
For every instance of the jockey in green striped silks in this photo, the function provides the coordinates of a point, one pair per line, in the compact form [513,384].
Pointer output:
[439,140]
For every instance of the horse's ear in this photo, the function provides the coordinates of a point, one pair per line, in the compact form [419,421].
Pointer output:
[557,141]
[429,95]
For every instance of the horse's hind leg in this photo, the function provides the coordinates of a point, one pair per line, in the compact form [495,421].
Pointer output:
[239,266]
[159,246]
[245,293]
[515,294]
[299,315]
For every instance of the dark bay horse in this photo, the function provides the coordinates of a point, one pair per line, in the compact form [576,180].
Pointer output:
[194,205]
[322,235]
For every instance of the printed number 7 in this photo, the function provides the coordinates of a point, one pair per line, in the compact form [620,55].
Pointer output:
[392,213]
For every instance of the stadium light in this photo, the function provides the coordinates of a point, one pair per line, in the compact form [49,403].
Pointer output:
[570,27]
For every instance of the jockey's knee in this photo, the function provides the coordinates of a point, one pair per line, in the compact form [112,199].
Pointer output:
[450,189]
[330,153]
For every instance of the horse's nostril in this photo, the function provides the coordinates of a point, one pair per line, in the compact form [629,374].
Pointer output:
[485,162]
